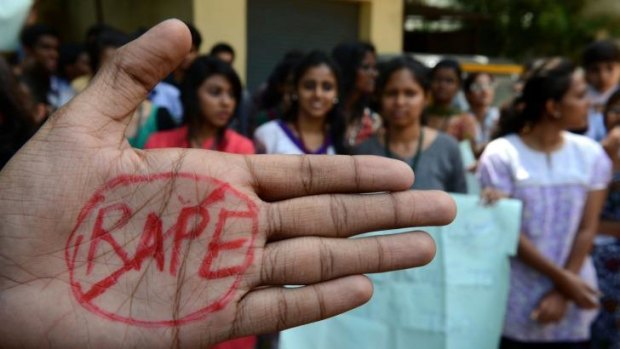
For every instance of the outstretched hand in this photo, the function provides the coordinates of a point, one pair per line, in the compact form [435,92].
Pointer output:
[107,246]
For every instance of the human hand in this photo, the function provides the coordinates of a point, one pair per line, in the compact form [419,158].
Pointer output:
[577,290]
[104,245]
[473,167]
[614,136]
[489,196]
[551,308]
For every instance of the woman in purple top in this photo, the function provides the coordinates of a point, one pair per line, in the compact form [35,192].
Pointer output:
[561,178]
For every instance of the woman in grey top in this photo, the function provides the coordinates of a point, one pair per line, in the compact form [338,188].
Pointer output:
[435,157]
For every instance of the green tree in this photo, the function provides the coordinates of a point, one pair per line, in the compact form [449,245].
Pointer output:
[522,29]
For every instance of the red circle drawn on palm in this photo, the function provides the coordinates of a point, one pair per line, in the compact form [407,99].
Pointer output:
[150,248]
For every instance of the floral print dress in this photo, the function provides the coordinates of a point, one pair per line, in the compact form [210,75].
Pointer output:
[606,256]
[553,188]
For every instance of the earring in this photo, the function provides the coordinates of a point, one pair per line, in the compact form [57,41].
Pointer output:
[336,100]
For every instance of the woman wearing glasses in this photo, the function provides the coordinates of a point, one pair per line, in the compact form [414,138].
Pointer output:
[479,91]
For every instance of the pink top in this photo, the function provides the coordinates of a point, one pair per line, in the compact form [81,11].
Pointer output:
[237,343]
[177,138]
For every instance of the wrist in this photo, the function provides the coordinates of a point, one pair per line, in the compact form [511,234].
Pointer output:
[566,283]
[559,278]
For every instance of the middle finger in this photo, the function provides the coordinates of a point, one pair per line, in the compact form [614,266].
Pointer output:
[344,215]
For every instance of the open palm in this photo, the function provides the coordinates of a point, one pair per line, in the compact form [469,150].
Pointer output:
[103,245]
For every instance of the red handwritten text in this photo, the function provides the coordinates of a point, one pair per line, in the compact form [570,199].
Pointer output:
[115,244]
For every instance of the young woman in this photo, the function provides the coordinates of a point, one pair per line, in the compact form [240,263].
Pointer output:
[442,114]
[606,252]
[561,178]
[435,157]
[479,92]
[210,95]
[312,125]
[358,64]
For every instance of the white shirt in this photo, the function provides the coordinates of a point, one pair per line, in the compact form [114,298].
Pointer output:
[274,137]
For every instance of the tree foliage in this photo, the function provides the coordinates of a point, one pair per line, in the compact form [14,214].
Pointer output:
[522,29]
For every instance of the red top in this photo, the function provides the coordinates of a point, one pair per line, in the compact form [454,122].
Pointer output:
[232,142]
[238,343]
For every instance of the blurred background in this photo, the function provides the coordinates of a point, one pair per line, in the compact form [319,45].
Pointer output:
[261,31]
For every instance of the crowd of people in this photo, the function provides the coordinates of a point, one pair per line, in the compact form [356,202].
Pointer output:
[555,146]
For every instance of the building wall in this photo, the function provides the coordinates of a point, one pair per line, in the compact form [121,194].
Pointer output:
[73,17]
[381,22]
[602,8]
[223,20]
[378,21]
[278,26]
[236,22]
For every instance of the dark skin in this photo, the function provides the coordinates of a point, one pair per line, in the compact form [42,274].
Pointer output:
[611,144]
[305,208]
[546,136]
[43,54]
[445,85]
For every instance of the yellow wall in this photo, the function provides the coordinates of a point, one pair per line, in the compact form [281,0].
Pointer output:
[223,20]
[217,20]
[381,22]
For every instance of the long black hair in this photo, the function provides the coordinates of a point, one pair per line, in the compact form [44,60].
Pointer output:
[272,97]
[449,63]
[334,118]
[201,69]
[349,57]
[417,69]
[101,37]
[16,120]
[549,81]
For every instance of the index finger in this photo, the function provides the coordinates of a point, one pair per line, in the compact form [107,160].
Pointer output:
[278,177]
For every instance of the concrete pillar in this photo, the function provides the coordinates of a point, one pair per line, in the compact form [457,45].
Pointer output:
[381,22]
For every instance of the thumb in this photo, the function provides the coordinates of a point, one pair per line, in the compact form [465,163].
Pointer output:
[105,107]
